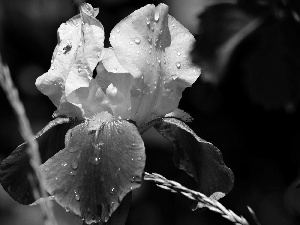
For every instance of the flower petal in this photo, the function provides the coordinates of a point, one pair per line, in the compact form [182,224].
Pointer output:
[154,48]
[199,158]
[15,168]
[117,84]
[80,43]
[102,162]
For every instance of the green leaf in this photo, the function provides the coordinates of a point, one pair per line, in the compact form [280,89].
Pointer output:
[14,170]
[197,157]
[103,161]
[154,48]
[79,49]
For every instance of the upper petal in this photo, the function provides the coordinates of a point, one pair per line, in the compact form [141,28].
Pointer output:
[80,43]
[154,48]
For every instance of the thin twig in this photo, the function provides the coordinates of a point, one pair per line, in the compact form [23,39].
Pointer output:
[205,201]
[27,134]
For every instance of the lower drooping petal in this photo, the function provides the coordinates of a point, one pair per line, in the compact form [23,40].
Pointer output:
[103,161]
[14,170]
[197,157]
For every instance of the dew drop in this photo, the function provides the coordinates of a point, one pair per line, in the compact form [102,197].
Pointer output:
[137,40]
[112,191]
[178,53]
[118,31]
[64,164]
[52,67]
[131,43]
[178,65]
[77,197]
[150,52]
[140,158]
[80,44]
[96,161]
[156,16]
[79,69]
[73,173]
[148,23]
[152,29]
[75,164]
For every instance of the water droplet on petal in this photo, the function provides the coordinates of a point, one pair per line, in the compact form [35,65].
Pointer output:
[150,52]
[112,191]
[80,44]
[148,23]
[132,179]
[156,16]
[75,164]
[178,65]
[178,53]
[79,69]
[77,197]
[131,43]
[64,164]
[118,31]
[52,67]
[137,40]
[73,173]
[96,161]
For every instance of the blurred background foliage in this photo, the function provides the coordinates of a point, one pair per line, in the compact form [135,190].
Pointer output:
[246,102]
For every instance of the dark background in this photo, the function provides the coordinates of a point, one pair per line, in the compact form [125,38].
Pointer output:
[247,106]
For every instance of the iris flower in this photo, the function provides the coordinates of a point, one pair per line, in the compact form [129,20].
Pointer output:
[92,152]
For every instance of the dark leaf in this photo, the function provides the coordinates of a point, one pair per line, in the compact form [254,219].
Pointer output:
[103,161]
[271,69]
[222,28]
[199,158]
[14,170]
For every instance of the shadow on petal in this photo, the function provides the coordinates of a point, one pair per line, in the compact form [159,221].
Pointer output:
[14,170]
[197,157]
